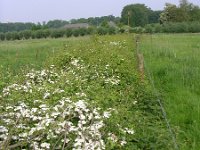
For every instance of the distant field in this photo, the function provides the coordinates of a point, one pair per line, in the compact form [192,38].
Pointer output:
[174,63]
[16,54]
[20,56]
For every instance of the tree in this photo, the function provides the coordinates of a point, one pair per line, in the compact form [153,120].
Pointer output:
[154,16]
[170,13]
[135,15]
[56,23]
[194,13]
[183,13]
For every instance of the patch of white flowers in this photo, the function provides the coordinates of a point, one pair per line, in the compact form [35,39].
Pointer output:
[67,122]
[64,124]
[112,80]
[117,43]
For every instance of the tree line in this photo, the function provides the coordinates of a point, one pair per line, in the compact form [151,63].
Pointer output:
[184,18]
[55,24]
[134,18]
[58,33]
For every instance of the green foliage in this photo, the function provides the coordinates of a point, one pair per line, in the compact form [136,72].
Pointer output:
[8,35]
[56,23]
[39,34]
[57,33]
[102,31]
[2,36]
[11,27]
[154,16]
[111,30]
[139,15]
[183,13]
[96,21]
[136,15]
[174,27]
[76,32]
[104,68]
[69,33]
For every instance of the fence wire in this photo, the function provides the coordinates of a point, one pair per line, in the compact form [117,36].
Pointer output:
[164,114]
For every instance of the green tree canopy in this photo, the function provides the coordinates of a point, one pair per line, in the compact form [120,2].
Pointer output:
[185,12]
[135,15]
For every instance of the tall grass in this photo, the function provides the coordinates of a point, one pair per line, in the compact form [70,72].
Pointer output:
[16,54]
[20,56]
[174,62]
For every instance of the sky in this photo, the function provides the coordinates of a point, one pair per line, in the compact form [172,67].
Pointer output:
[45,10]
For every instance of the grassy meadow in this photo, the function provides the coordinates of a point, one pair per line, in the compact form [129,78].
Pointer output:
[88,94]
[20,56]
[173,61]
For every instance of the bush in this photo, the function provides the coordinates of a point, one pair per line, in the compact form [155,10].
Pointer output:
[33,34]
[16,36]
[137,30]
[111,30]
[171,27]
[102,31]
[194,27]
[76,32]
[8,36]
[68,33]
[83,31]
[57,33]
[149,28]
[2,36]
[39,34]
[26,34]
[157,28]
[46,33]
[91,30]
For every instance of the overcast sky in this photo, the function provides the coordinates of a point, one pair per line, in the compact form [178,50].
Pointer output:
[45,10]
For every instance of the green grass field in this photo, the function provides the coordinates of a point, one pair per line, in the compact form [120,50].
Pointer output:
[89,72]
[173,61]
[16,54]
[20,56]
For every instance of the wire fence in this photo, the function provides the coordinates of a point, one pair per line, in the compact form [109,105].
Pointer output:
[156,92]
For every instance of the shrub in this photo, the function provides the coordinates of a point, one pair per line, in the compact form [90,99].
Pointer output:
[137,30]
[76,32]
[26,34]
[68,33]
[45,33]
[194,27]
[39,34]
[111,30]
[57,33]
[149,28]
[91,30]
[2,36]
[83,31]
[8,36]
[102,31]
[174,27]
